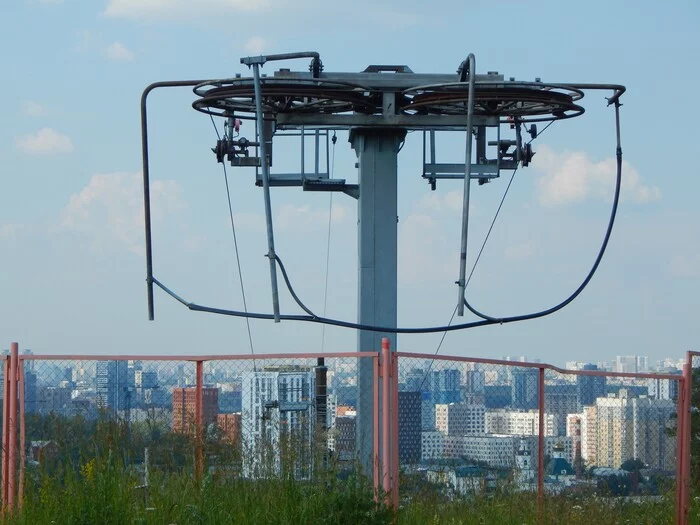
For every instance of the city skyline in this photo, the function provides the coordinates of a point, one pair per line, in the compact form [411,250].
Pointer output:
[70,205]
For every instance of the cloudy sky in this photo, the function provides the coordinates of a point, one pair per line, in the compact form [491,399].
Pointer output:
[71,244]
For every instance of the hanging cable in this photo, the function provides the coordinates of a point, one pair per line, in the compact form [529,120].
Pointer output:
[328,244]
[485,320]
[608,232]
[476,261]
[235,245]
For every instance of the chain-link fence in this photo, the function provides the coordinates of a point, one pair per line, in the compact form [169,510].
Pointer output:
[273,416]
[470,427]
[451,427]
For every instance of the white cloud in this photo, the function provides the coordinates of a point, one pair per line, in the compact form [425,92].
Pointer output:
[33,109]
[256,45]
[110,209]
[685,265]
[118,52]
[571,177]
[179,8]
[46,141]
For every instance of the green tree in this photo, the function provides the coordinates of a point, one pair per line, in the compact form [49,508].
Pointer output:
[633,465]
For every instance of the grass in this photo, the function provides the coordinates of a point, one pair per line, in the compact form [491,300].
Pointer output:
[91,483]
[103,491]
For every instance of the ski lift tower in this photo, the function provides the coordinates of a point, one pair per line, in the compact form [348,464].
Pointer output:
[377,106]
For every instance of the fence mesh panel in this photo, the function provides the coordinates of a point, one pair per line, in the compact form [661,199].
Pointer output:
[468,428]
[260,418]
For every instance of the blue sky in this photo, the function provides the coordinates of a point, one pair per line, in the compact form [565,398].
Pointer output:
[71,242]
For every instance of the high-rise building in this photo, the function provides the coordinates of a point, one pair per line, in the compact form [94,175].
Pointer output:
[632,364]
[147,388]
[111,385]
[230,427]
[459,419]
[445,385]
[30,404]
[185,409]
[524,388]
[628,427]
[522,423]
[589,387]
[561,400]
[278,413]
[342,441]
[664,388]
[409,426]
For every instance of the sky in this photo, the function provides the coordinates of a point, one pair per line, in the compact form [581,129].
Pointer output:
[72,269]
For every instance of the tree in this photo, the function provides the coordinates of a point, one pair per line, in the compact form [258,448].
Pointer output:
[633,465]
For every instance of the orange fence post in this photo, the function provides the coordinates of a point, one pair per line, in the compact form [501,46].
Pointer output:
[386,419]
[687,414]
[22,443]
[395,430]
[6,433]
[681,421]
[199,420]
[12,429]
[540,442]
[375,426]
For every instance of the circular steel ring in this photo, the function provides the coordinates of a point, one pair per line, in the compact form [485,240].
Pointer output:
[526,101]
[237,96]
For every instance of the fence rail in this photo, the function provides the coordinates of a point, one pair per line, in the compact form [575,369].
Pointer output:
[459,425]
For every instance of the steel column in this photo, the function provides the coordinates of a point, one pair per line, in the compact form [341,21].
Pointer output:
[199,420]
[377,151]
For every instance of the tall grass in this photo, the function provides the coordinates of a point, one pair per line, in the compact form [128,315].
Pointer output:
[105,491]
[99,479]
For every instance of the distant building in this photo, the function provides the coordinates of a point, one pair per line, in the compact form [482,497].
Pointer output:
[664,388]
[631,364]
[628,427]
[521,423]
[230,426]
[524,386]
[589,388]
[560,400]
[111,385]
[343,439]
[30,392]
[278,412]
[459,419]
[409,404]
[444,385]
[184,409]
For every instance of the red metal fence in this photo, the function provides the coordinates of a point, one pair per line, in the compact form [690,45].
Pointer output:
[457,423]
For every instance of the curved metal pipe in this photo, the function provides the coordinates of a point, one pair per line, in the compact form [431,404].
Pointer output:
[146,180]
[471,73]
